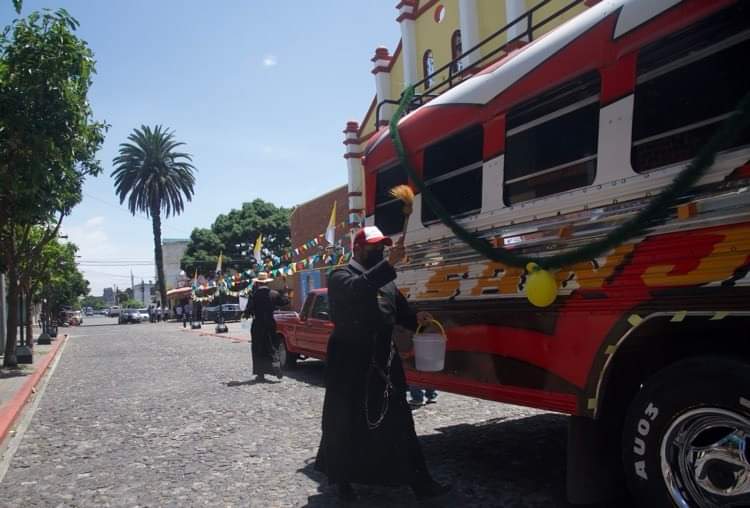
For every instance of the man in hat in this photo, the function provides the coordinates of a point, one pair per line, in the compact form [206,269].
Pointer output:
[368,430]
[265,345]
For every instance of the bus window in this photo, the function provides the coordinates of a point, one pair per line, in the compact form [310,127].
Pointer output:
[389,215]
[453,173]
[686,85]
[551,141]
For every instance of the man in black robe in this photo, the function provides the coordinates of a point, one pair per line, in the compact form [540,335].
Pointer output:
[265,343]
[368,430]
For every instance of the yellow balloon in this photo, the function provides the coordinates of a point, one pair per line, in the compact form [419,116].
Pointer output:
[541,286]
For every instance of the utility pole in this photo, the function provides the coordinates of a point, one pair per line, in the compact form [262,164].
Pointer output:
[132,284]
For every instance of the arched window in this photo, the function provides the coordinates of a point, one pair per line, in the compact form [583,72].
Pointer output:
[456,51]
[428,67]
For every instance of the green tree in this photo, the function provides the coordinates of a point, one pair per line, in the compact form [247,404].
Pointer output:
[154,178]
[59,281]
[48,141]
[234,233]
[95,302]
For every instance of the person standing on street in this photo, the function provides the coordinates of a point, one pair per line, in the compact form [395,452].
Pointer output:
[368,430]
[187,310]
[265,344]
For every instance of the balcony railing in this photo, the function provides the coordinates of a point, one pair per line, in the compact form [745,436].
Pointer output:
[435,84]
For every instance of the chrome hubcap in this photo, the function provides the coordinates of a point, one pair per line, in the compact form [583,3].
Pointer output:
[705,459]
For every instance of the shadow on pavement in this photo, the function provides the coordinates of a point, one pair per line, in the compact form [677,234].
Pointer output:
[18,372]
[308,371]
[498,462]
[248,382]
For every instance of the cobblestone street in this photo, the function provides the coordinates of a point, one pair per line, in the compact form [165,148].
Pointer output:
[151,415]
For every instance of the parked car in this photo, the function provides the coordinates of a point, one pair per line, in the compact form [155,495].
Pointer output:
[70,318]
[305,334]
[129,316]
[114,311]
[144,314]
[230,312]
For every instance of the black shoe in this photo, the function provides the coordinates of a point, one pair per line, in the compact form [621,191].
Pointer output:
[345,492]
[430,490]
[260,378]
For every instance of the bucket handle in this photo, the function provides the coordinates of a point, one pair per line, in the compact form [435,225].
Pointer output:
[436,323]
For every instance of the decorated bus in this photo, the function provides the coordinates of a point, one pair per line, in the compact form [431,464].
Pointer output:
[593,151]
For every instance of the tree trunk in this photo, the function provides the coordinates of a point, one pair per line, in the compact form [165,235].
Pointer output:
[11,336]
[159,257]
[29,317]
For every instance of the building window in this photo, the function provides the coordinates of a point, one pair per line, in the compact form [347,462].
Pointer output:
[453,173]
[456,51]
[428,67]
[551,141]
[686,85]
[389,215]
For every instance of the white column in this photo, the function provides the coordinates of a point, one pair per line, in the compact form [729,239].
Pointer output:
[381,65]
[469,24]
[406,15]
[355,171]
[513,10]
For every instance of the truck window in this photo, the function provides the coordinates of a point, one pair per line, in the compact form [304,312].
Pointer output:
[306,306]
[453,172]
[551,141]
[686,85]
[320,308]
[389,216]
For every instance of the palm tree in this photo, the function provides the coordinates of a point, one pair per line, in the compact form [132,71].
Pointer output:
[157,178]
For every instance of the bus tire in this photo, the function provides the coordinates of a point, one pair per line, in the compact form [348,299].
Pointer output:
[686,436]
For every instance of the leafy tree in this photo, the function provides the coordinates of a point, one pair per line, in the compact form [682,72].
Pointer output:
[238,228]
[48,141]
[95,302]
[154,178]
[58,280]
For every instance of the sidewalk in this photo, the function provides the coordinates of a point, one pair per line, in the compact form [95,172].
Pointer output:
[18,385]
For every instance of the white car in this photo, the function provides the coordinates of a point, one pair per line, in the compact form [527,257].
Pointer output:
[144,314]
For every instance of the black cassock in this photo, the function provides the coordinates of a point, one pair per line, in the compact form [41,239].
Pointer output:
[265,343]
[364,308]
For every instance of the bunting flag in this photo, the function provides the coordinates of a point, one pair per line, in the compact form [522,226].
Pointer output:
[257,249]
[218,264]
[331,230]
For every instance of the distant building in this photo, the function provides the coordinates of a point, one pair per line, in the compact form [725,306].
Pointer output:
[173,250]
[109,296]
[306,222]
[143,292]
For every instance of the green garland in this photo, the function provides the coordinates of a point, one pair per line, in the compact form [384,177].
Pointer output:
[656,210]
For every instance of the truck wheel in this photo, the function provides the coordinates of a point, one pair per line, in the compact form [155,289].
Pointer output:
[686,438]
[288,360]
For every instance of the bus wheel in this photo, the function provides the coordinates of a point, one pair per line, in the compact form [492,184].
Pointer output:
[686,438]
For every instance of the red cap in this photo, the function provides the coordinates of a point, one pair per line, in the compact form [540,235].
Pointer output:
[371,235]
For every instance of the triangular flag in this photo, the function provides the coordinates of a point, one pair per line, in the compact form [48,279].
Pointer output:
[257,249]
[218,264]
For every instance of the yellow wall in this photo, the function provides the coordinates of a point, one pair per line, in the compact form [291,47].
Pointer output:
[550,9]
[368,123]
[397,77]
[491,19]
[436,36]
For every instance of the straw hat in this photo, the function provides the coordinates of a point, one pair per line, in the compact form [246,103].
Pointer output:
[263,278]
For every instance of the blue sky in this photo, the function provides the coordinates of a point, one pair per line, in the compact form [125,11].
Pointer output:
[259,90]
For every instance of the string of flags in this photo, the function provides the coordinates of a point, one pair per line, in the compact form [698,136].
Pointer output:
[239,284]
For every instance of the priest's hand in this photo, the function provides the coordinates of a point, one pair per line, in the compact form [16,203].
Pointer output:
[397,252]
[424,318]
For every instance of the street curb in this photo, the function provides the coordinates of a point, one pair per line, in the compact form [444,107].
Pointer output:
[10,411]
